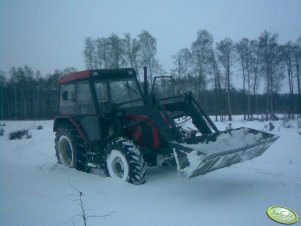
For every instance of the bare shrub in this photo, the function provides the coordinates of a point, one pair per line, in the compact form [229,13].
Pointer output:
[1,131]
[39,127]
[20,134]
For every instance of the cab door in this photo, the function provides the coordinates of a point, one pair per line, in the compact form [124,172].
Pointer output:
[85,111]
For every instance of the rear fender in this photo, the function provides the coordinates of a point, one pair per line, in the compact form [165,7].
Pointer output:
[68,119]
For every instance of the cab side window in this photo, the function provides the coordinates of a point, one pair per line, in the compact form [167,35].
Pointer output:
[67,99]
[84,101]
[102,95]
[101,92]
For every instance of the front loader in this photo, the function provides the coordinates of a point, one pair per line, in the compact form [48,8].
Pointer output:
[106,121]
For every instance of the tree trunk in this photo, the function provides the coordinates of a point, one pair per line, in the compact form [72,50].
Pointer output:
[244,92]
[228,93]
[216,96]
[291,89]
[249,95]
[15,103]
[2,102]
[298,84]
[268,95]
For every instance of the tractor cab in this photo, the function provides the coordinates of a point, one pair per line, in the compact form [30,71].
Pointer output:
[95,91]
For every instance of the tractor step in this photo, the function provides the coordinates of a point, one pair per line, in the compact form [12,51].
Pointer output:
[207,153]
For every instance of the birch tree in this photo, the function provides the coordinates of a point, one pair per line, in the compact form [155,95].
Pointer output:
[227,58]
[287,54]
[182,66]
[244,53]
[268,46]
[217,85]
[201,50]
[297,63]
[116,51]
[255,70]
[89,53]
[2,86]
[147,52]
[102,53]
[132,48]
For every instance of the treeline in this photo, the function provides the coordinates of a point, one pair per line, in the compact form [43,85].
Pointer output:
[261,62]
[206,68]
[26,94]
[206,65]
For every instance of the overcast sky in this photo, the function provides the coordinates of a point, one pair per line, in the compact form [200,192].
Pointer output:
[49,35]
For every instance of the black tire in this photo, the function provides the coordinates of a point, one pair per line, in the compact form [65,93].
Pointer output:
[70,148]
[124,161]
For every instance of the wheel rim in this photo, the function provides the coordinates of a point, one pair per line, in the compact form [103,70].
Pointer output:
[117,166]
[65,151]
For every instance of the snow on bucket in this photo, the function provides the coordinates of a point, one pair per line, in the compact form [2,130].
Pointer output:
[204,154]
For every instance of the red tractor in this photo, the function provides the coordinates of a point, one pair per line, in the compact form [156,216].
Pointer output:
[106,121]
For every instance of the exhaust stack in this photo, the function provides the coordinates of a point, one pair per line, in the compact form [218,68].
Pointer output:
[145,82]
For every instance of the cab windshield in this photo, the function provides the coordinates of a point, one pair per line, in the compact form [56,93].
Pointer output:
[124,92]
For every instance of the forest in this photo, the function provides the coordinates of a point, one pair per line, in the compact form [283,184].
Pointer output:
[209,69]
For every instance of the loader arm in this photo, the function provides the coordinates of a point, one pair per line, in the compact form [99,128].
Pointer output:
[212,149]
[186,105]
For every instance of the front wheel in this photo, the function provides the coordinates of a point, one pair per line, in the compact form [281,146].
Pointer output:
[125,162]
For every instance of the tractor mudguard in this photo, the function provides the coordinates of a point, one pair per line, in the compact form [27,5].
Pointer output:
[207,153]
[69,119]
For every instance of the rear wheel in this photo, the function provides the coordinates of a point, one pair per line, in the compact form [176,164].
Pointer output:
[70,149]
[65,151]
[125,162]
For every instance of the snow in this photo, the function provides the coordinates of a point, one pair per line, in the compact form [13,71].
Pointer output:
[235,139]
[228,148]
[36,191]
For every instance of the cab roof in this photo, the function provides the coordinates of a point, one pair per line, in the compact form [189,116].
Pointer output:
[99,73]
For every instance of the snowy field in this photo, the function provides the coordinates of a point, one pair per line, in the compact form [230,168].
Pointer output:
[35,191]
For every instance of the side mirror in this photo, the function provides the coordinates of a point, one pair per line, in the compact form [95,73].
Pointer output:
[65,95]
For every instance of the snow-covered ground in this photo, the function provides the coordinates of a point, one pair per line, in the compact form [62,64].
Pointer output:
[35,191]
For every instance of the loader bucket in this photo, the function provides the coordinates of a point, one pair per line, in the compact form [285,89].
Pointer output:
[207,153]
